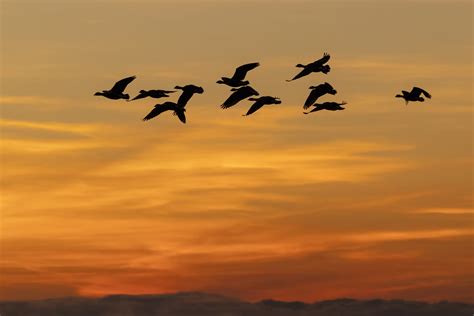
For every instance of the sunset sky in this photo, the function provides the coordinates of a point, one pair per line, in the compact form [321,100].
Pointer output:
[371,202]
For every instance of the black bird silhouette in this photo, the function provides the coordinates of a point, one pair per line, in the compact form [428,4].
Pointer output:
[239,76]
[259,102]
[117,90]
[318,91]
[413,95]
[188,91]
[238,95]
[167,106]
[317,66]
[330,106]
[156,94]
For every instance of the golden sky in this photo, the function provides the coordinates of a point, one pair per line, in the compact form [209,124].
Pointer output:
[373,201]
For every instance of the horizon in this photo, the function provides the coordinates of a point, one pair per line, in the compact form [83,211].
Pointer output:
[371,202]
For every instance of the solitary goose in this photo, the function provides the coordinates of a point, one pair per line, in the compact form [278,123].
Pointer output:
[239,95]
[259,102]
[317,66]
[188,91]
[413,95]
[167,106]
[330,106]
[318,91]
[156,94]
[117,90]
[239,76]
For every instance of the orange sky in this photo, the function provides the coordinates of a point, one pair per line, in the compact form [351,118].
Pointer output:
[373,201]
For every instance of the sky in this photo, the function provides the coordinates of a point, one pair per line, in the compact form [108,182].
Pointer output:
[372,201]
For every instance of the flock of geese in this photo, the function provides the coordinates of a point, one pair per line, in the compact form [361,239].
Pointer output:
[242,90]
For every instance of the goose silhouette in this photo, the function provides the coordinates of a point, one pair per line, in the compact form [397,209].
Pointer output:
[237,79]
[260,102]
[317,66]
[414,95]
[188,91]
[155,94]
[317,92]
[117,90]
[238,95]
[329,106]
[167,106]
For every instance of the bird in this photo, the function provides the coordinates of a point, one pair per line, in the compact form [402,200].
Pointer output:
[330,106]
[261,101]
[238,95]
[116,92]
[318,91]
[317,66]
[188,91]
[156,94]
[167,106]
[414,95]
[239,76]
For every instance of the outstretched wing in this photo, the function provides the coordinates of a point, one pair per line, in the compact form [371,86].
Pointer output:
[239,95]
[120,85]
[419,91]
[159,108]
[141,95]
[181,115]
[257,105]
[320,62]
[312,98]
[241,71]
[306,71]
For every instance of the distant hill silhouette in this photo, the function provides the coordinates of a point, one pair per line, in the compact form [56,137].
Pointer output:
[203,304]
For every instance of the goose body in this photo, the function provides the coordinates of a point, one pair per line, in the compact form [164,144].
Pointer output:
[238,95]
[260,102]
[317,92]
[155,94]
[188,91]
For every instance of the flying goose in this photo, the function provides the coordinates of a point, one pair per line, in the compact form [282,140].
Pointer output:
[238,95]
[330,106]
[261,101]
[117,90]
[318,91]
[413,95]
[156,94]
[239,76]
[188,91]
[167,106]
[317,66]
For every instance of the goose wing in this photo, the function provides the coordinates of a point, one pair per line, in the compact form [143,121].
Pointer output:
[239,95]
[306,71]
[312,98]
[241,71]
[141,95]
[320,62]
[180,113]
[120,85]
[160,108]
[418,91]
[257,105]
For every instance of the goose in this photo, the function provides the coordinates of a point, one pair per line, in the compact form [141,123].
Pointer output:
[238,95]
[414,95]
[261,101]
[318,91]
[239,76]
[317,66]
[167,106]
[156,94]
[330,106]
[188,91]
[117,90]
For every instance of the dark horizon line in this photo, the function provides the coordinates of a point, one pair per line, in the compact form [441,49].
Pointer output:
[211,294]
